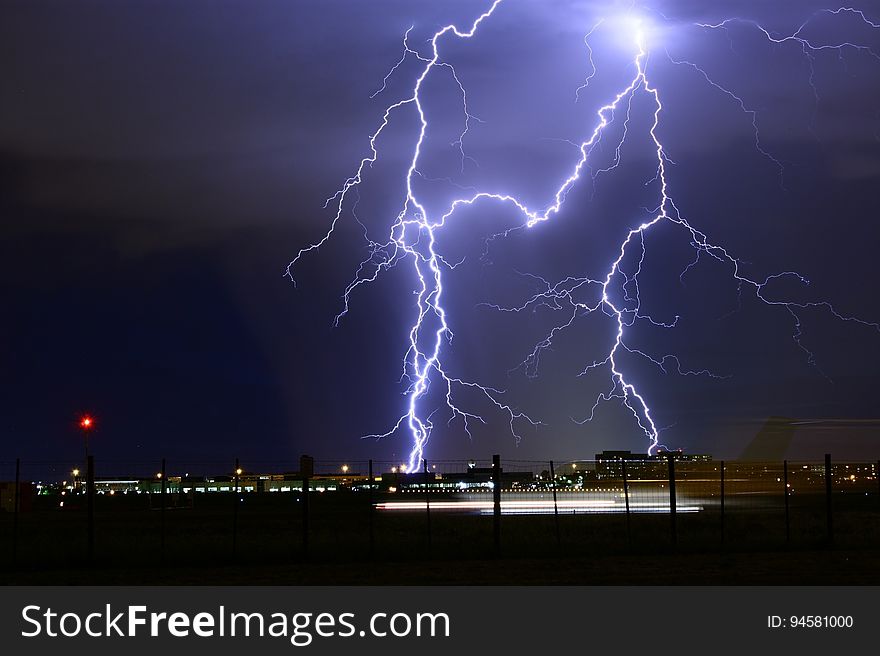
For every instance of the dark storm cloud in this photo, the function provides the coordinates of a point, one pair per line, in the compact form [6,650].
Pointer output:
[162,162]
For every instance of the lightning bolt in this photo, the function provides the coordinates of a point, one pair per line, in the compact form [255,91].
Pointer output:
[616,295]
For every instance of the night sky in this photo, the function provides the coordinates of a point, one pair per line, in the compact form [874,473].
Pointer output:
[162,162]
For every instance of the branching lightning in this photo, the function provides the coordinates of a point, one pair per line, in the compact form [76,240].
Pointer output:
[616,295]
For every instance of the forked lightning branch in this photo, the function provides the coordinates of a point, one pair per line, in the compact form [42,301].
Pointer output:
[412,234]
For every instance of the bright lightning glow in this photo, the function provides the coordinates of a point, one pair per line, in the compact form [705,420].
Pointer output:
[412,234]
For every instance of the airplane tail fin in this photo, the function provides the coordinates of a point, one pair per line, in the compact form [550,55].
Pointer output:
[771,442]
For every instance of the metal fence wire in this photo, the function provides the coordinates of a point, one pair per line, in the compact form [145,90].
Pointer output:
[61,514]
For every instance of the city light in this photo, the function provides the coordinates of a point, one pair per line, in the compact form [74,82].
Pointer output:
[344,469]
[75,472]
[86,423]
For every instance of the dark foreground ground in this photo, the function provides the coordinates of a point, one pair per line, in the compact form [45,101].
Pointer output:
[260,540]
[752,568]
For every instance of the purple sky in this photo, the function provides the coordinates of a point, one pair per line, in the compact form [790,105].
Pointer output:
[162,162]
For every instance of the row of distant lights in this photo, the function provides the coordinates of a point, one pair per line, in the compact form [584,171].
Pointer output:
[87,422]
[238,472]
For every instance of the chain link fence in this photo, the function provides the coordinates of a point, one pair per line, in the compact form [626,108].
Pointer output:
[145,513]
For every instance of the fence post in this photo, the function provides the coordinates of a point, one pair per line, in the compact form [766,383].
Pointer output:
[305,514]
[90,506]
[372,509]
[722,502]
[163,478]
[828,487]
[787,514]
[496,502]
[427,502]
[555,505]
[626,500]
[672,510]
[16,503]
[235,511]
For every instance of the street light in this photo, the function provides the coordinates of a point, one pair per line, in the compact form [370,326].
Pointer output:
[344,469]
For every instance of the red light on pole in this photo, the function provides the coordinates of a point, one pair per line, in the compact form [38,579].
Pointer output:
[86,423]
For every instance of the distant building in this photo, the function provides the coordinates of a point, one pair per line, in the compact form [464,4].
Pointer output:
[610,463]
[616,456]
[679,454]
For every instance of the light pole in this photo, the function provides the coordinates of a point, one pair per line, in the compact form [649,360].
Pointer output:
[86,424]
